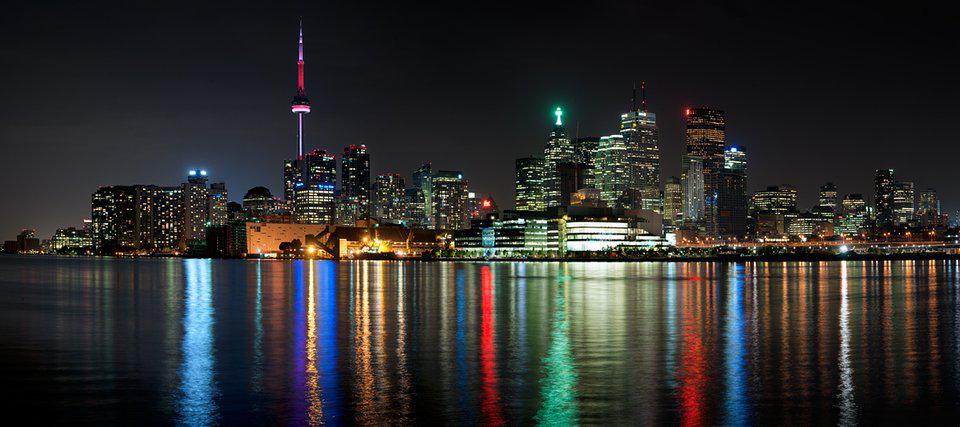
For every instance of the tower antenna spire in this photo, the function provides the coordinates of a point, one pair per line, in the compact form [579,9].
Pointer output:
[643,95]
[633,98]
[300,104]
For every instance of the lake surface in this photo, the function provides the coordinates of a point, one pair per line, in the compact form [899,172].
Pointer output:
[201,342]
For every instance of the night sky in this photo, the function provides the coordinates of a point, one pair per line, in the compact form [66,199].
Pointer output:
[103,93]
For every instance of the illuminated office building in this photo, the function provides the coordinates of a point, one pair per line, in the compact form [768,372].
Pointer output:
[218,204]
[672,203]
[612,171]
[884,183]
[853,215]
[530,194]
[639,130]
[423,180]
[450,200]
[705,138]
[390,198]
[928,210]
[903,203]
[692,183]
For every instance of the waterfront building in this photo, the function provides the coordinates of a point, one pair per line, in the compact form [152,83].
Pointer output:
[264,239]
[641,137]
[196,206]
[515,234]
[559,149]
[390,198]
[530,194]
[612,171]
[71,239]
[137,217]
[354,194]
[705,137]
[450,197]
[884,183]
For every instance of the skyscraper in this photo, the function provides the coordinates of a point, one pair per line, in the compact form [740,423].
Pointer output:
[853,215]
[354,197]
[612,172]
[903,203]
[693,193]
[672,203]
[423,181]
[390,198]
[558,150]
[639,130]
[218,204]
[884,183]
[705,140]
[828,196]
[585,149]
[291,176]
[529,184]
[314,192]
[928,209]
[732,194]
[450,200]
[196,206]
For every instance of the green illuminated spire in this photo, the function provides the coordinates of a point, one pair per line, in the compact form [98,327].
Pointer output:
[559,114]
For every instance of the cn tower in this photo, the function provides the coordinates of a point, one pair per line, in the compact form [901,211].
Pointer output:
[300,104]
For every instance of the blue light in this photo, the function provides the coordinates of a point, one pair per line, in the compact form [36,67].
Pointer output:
[203,172]
[192,173]
[733,149]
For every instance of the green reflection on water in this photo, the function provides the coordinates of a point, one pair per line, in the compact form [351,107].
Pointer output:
[559,380]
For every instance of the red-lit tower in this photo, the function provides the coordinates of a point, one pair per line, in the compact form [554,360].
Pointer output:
[300,104]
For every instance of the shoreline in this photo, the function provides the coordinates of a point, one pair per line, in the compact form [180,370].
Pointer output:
[718,258]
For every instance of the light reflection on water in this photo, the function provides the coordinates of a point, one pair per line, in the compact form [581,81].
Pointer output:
[201,342]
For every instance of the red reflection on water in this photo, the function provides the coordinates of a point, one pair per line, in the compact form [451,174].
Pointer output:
[490,399]
[693,366]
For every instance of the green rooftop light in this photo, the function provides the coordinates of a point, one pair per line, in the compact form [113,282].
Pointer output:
[559,113]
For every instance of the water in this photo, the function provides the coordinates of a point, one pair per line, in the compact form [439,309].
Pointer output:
[202,342]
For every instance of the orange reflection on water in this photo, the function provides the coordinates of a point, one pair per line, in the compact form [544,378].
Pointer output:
[315,408]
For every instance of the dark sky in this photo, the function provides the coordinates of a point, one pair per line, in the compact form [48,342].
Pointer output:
[98,93]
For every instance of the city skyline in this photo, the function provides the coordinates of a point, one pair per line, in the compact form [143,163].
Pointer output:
[131,146]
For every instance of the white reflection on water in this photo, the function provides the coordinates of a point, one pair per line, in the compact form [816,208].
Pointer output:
[735,400]
[848,408]
[197,388]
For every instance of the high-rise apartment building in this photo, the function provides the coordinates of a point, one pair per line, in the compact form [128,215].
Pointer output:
[196,206]
[423,181]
